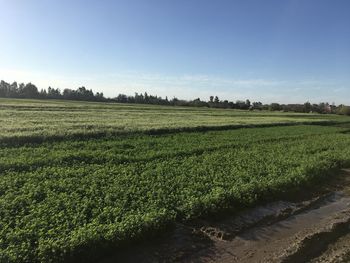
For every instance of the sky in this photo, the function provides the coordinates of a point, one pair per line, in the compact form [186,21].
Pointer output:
[287,51]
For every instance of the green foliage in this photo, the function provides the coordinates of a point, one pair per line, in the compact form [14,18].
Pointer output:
[87,195]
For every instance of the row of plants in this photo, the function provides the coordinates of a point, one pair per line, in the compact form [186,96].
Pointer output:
[144,148]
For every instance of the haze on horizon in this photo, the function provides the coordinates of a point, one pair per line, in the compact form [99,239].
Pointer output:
[288,51]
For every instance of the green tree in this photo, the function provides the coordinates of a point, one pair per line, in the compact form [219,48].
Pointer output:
[29,91]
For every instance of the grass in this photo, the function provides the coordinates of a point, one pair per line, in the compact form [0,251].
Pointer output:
[73,199]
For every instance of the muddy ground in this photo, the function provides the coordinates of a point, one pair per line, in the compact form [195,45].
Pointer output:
[314,227]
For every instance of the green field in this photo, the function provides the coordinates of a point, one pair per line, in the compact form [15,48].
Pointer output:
[79,178]
[31,120]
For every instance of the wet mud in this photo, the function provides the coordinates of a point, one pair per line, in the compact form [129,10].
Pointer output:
[311,228]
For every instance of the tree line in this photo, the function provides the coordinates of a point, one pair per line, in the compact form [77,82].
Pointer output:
[30,91]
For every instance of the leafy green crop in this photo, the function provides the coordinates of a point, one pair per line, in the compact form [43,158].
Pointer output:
[71,199]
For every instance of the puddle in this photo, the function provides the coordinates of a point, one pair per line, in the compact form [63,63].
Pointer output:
[269,243]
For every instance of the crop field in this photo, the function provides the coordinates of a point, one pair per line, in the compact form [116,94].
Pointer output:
[78,178]
[35,120]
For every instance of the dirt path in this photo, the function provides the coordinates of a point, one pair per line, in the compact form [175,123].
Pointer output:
[312,230]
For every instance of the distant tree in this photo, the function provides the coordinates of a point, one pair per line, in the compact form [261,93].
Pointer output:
[257,106]
[4,89]
[122,98]
[307,107]
[198,103]
[29,91]
[240,104]
[174,101]
[13,90]
[53,93]
[43,94]
[146,98]
[275,107]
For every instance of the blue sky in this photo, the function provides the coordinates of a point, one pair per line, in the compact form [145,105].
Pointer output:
[272,51]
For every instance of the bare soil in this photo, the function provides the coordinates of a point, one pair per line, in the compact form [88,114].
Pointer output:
[312,227]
